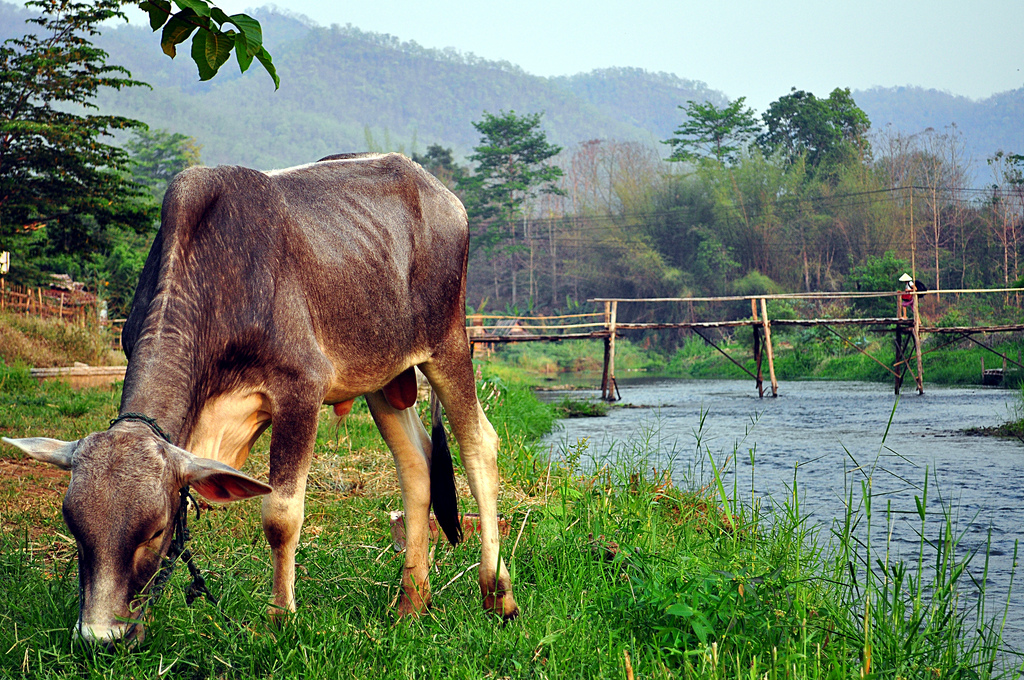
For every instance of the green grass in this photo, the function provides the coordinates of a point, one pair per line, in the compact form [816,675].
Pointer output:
[568,407]
[609,562]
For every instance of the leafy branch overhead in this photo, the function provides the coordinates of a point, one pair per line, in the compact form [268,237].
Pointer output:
[215,35]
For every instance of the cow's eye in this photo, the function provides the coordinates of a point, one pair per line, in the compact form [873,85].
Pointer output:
[158,534]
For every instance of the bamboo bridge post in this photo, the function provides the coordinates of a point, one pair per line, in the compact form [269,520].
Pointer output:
[899,367]
[608,386]
[768,346]
[757,350]
[604,368]
[917,345]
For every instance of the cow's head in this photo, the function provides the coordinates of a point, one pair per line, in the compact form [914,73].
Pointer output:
[120,507]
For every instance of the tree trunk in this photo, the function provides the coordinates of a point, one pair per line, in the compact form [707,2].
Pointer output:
[554,263]
[528,235]
[935,233]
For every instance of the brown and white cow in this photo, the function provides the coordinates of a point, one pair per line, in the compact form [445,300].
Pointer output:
[266,295]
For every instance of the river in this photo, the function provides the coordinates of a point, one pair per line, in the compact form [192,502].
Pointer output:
[831,435]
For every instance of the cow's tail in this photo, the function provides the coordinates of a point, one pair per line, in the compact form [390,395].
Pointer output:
[443,495]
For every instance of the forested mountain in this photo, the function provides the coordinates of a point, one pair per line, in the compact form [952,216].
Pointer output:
[340,83]
[344,89]
[647,100]
[987,125]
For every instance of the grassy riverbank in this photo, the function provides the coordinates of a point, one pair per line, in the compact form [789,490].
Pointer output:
[618,573]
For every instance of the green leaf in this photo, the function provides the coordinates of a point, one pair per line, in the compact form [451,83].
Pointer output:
[219,15]
[679,609]
[210,49]
[920,507]
[702,627]
[198,6]
[177,30]
[268,64]
[242,53]
[159,12]
[252,30]
[218,48]
[199,56]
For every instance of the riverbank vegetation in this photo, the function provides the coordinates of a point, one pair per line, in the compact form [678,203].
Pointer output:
[813,354]
[619,572]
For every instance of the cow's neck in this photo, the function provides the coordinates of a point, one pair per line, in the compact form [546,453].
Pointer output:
[168,384]
[161,383]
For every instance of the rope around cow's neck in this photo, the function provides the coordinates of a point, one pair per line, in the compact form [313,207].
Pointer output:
[142,418]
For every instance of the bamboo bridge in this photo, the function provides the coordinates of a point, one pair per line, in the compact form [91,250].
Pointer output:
[906,326]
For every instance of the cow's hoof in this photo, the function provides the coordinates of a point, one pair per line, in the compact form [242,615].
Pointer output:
[413,606]
[279,616]
[503,605]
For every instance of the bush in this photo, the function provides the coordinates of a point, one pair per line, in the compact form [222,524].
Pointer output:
[877,274]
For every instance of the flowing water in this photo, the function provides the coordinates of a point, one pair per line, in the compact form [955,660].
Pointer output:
[830,434]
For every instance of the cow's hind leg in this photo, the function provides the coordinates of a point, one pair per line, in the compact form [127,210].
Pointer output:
[291,448]
[410,446]
[451,374]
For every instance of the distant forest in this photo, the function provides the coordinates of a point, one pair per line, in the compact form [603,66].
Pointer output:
[909,186]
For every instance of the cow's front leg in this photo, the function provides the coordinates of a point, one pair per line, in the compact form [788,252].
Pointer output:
[291,449]
[404,434]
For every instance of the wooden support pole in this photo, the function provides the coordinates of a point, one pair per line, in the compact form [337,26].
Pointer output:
[757,351]
[900,366]
[768,346]
[609,390]
[919,378]
[607,350]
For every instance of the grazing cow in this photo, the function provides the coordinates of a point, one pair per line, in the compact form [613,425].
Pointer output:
[264,296]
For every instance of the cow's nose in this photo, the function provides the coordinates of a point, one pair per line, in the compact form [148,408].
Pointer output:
[108,636]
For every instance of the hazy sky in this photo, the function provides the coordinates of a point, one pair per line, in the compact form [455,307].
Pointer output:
[744,48]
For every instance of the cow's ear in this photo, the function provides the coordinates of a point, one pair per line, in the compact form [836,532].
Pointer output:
[222,483]
[43,449]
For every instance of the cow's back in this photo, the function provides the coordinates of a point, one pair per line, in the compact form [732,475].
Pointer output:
[377,249]
[357,261]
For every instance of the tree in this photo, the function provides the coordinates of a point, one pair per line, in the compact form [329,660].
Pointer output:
[1003,211]
[512,168]
[829,132]
[877,274]
[440,162]
[712,132]
[56,175]
[158,155]
[216,35]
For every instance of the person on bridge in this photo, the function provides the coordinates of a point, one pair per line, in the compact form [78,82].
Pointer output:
[907,298]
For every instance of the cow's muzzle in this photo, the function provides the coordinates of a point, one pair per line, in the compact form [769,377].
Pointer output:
[109,637]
